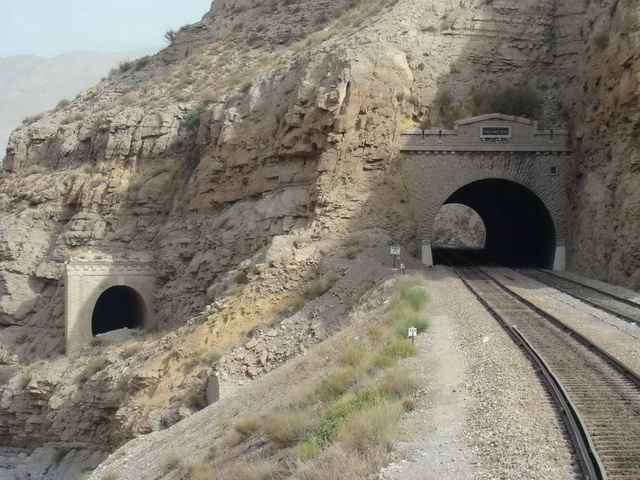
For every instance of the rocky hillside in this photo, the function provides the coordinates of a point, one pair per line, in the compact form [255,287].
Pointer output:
[248,148]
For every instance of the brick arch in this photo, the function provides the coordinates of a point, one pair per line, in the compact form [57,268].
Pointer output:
[433,177]
[552,201]
[86,281]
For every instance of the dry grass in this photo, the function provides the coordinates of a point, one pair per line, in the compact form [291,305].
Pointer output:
[398,382]
[371,431]
[247,426]
[400,349]
[335,463]
[338,382]
[254,470]
[201,471]
[354,356]
[286,428]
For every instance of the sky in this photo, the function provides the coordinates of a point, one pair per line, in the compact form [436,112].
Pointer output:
[50,27]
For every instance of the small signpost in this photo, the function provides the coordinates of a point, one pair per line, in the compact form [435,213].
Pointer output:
[413,332]
[395,252]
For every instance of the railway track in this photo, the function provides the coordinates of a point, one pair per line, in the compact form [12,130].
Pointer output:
[621,307]
[602,392]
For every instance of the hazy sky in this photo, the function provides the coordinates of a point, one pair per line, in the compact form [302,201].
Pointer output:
[50,27]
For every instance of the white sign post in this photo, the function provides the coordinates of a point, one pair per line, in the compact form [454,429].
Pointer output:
[395,251]
[413,332]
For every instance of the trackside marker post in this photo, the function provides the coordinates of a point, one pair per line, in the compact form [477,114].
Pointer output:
[395,252]
[413,331]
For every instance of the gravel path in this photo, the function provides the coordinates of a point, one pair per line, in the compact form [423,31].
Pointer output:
[483,413]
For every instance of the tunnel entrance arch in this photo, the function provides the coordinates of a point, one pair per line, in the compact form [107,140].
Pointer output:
[523,171]
[105,293]
[519,229]
[118,307]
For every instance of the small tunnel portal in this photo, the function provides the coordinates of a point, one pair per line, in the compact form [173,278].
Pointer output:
[519,228]
[118,307]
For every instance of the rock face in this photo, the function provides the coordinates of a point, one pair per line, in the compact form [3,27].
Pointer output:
[278,122]
[606,191]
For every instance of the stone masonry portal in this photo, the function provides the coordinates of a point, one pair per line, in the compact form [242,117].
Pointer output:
[104,293]
[513,174]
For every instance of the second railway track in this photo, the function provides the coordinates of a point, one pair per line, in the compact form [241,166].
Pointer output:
[607,399]
[623,308]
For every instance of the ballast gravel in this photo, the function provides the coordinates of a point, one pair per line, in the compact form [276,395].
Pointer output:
[482,412]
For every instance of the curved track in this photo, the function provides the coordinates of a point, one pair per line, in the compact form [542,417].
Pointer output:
[605,394]
[621,307]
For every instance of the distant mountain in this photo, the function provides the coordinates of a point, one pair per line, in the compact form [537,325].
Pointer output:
[31,84]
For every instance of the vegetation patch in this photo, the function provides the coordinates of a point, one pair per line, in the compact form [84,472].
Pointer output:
[522,101]
[337,415]
[288,427]
[346,425]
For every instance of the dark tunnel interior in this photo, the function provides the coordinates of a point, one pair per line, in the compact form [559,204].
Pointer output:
[519,228]
[118,307]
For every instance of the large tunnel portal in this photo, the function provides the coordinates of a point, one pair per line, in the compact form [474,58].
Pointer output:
[519,228]
[118,307]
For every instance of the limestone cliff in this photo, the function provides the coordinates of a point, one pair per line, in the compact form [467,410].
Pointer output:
[607,186]
[273,122]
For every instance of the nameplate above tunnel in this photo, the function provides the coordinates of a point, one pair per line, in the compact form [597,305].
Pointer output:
[105,293]
[487,133]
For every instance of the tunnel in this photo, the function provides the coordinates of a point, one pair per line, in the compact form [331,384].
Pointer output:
[519,228]
[118,307]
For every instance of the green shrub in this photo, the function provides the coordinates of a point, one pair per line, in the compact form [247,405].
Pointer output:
[355,298]
[315,290]
[170,36]
[59,454]
[382,360]
[352,251]
[409,291]
[92,367]
[142,62]
[337,414]
[194,399]
[309,449]
[61,104]
[224,223]
[45,425]
[32,118]
[191,121]
[601,40]
[523,101]
[402,317]
[125,66]
[241,277]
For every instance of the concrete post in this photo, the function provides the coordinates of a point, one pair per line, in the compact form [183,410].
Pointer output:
[427,255]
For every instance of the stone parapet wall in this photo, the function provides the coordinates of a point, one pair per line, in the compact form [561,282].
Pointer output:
[488,133]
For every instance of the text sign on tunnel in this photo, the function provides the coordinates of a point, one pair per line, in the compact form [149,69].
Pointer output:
[495,132]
